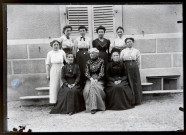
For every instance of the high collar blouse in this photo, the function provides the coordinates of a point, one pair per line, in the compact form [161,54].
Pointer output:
[119,42]
[66,43]
[95,67]
[84,43]
[55,57]
[130,54]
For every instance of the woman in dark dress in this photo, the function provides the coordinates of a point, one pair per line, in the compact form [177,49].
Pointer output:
[102,44]
[70,97]
[82,44]
[131,58]
[119,95]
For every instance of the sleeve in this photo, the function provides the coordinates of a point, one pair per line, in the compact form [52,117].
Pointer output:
[112,45]
[87,72]
[108,47]
[108,76]
[75,45]
[61,40]
[101,73]
[78,74]
[90,43]
[64,56]
[138,58]
[48,59]
[63,75]
[93,44]
[121,55]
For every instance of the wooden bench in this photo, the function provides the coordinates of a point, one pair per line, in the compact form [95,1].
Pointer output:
[168,82]
[146,86]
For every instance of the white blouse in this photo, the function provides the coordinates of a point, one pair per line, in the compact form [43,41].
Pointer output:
[83,42]
[130,54]
[55,57]
[118,43]
[66,43]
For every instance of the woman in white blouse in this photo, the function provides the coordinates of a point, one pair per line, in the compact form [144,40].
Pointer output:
[66,40]
[131,58]
[54,63]
[82,45]
[119,42]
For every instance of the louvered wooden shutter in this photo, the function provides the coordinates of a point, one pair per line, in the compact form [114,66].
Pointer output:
[77,16]
[103,15]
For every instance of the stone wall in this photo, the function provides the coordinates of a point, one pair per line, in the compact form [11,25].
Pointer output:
[160,44]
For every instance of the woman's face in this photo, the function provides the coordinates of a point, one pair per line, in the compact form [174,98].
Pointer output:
[120,32]
[115,56]
[55,46]
[67,31]
[129,43]
[82,32]
[70,58]
[101,33]
[93,55]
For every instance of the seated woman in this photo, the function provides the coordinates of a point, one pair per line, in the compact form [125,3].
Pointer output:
[119,95]
[70,98]
[93,92]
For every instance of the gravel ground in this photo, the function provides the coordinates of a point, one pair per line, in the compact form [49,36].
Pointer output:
[159,113]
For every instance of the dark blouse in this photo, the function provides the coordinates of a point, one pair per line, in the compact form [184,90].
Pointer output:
[95,68]
[70,74]
[101,46]
[116,71]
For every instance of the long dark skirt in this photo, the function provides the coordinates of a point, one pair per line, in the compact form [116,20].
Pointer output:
[134,79]
[82,56]
[104,56]
[69,100]
[119,97]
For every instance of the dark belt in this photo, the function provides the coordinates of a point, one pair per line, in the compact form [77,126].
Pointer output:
[67,49]
[83,49]
[129,61]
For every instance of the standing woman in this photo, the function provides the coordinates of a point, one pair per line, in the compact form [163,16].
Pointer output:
[93,92]
[102,44]
[131,58]
[119,42]
[66,40]
[70,97]
[82,44]
[54,63]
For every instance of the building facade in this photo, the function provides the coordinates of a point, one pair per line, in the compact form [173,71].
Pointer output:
[30,28]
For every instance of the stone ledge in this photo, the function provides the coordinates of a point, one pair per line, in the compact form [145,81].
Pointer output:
[162,91]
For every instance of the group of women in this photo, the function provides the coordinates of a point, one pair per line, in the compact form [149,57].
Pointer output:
[93,75]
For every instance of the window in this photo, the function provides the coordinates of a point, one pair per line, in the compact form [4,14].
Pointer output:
[77,16]
[92,16]
[103,15]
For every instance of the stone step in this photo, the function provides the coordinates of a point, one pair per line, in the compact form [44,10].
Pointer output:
[45,90]
[42,90]
[34,100]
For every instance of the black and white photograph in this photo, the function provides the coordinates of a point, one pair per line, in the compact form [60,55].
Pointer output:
[94,67]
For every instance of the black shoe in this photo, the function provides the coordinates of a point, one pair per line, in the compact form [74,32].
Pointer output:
[93,111]
[70,113]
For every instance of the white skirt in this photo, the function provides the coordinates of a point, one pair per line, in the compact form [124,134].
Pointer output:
[55,81]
